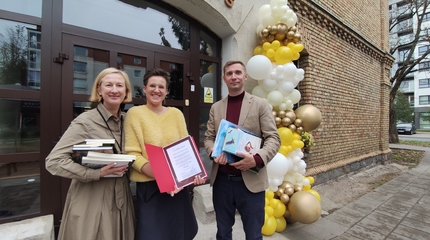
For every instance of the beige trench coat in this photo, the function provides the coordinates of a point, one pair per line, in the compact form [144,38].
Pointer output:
[95,208]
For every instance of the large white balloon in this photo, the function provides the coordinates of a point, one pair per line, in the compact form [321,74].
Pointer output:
[286,88]
[290,69]
[275,98]
[259,67]
[269,84]
[259,92]
[295,96]
[278,166]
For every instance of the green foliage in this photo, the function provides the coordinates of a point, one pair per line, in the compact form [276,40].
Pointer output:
[402,108]
[308,140]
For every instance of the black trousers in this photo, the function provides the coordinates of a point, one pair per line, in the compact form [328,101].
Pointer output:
[229,194]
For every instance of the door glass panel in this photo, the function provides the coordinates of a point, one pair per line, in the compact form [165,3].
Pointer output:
[19,56]
[150,23]
[87,64]
[19,126]
[135,67]
[208,82]
[19,188]
[28,7]
[176,79]
[208,45]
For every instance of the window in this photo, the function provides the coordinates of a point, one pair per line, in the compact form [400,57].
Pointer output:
[403,53]
[425,100]
[80,67]
[407,85]
[424,83]
[424,65]
[423,49]
[426,17]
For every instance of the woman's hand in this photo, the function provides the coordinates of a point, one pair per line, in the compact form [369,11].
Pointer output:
[199,180]
[111,169]
[172,193]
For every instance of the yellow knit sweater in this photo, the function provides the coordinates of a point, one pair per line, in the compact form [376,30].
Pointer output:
[142,126]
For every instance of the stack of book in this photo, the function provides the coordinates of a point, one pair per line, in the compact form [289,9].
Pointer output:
[96,153]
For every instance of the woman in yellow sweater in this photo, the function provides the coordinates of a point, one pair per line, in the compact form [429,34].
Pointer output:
[159,215]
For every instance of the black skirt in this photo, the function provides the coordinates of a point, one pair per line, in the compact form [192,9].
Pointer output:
[163,217]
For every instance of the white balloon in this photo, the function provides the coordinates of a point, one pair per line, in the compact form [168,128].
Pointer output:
[259,28]
[300,74]
[306,181]
[278,166]
[275,98]
[269,84]
[289,177]
[277,181]
[283,107]
[296,160]
[263,11]
[289,13]
[290,22]
[208,80]
[268,20]
[290,69]
[259,67]
[295,96]
[279,69]
[302,164]
[259,92]
[286,88]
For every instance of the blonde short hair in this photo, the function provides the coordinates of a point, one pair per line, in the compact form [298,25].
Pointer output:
[95,97]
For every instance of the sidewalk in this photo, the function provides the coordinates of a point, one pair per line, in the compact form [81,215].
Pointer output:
[399,209]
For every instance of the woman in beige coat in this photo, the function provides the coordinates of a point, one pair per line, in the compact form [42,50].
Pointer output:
[96,207]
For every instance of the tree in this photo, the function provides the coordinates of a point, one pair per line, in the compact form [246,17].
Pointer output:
[13,56]
[407,46]
[403,108]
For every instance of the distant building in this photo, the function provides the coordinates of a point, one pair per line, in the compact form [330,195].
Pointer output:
[416,85]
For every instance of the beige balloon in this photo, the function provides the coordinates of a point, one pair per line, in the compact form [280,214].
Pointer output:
[310,116]
[291,115]
[304,207]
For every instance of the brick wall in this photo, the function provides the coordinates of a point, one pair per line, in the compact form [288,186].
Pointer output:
[346,78]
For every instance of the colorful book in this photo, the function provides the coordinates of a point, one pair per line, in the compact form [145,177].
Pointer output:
[222,144]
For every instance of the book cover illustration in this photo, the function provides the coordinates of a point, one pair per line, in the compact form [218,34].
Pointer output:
[237,140]
[220,140]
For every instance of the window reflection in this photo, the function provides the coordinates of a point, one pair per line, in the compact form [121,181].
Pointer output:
[19,126]
[208,45]
[20,56]
[19,194]
[32,8]
[135,67]
[87,64]
[138,20]
[176,86]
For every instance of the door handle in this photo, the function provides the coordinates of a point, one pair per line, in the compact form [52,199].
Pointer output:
[187,102]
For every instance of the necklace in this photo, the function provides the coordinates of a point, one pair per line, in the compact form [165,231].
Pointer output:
[107,125]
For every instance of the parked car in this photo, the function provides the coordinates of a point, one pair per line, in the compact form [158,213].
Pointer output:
[406,128]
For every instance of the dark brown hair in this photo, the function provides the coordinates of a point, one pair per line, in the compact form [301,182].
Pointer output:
[156,72]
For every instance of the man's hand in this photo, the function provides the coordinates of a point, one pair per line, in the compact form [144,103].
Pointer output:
[246,163]
[221,159]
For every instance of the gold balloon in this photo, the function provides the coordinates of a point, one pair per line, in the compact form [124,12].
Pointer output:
[286,122]
[299,130]
[310,116]
[304,207]
[279,36]
[289,191]
[280,192]
[298,122]
[286,184]
[293,28]
[284,198]
[275,113]
[260,39]
[291,115]
[273,30]
[285,42]
[292,127]
[297,188]
[265,32]
[297,37]
[287,216]
[270,38]
[278,120]
[281,113]
[282,28]
[290,35]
